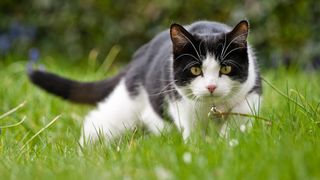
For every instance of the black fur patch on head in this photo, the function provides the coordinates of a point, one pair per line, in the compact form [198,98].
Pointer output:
[185,54]
[233,51]
[183,61]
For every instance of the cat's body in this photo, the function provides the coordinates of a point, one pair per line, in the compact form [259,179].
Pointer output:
[182,71]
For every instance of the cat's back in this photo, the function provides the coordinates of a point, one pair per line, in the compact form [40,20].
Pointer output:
[208,27]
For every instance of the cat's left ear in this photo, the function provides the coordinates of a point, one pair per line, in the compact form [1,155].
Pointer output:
[239,33]
[179,37]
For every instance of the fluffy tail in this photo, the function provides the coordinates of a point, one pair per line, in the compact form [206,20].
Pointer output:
[75,91]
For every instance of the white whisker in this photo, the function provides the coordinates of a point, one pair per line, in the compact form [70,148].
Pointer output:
[187,55]
[224,45]
[243,34]
[190,65]
[192,45]
[163,92]
[232,62]
[232,51]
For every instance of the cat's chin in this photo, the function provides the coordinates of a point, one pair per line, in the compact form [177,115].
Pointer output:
[207,98]
[210,96]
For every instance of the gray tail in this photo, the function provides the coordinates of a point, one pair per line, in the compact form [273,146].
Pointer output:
[74,91]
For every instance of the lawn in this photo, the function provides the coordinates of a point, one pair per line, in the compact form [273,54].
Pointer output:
[287,149]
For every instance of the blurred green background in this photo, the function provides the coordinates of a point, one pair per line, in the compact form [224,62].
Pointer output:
[284,32]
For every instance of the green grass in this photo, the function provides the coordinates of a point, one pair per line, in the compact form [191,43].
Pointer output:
[289,149]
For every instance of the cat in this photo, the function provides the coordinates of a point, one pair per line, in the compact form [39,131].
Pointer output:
[183,71]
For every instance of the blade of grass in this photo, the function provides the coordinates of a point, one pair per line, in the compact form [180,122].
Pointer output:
[13,110]
[303,99]
[40,131]
[111,57]
[92,60]
[132,136]
[13,125]
[284,95]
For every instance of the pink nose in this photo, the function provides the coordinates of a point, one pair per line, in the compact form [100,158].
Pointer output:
[211,88]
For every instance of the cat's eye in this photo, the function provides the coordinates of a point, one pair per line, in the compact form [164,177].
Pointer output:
[195,70]
[225,69]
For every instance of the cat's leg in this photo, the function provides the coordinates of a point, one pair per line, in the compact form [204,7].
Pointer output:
[149,117]
[112,117]
[251,106]
[152,120]
[182,114]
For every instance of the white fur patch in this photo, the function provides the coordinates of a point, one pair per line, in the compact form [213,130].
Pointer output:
[118,113]
[112,117]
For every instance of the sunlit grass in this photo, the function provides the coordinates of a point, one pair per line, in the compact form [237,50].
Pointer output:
[288,149]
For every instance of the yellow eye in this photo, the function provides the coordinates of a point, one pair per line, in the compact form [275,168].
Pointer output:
[196,70]
[225,69]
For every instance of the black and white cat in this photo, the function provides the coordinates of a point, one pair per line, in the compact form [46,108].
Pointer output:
[184,71]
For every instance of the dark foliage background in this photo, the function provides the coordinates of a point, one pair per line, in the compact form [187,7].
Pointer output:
[284,32]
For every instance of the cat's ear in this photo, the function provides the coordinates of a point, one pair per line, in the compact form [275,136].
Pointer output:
[239,33]
[179,37]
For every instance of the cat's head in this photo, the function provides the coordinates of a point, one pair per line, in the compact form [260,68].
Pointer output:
[210,64]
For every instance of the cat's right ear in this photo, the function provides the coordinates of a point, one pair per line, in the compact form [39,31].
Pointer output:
[179,37]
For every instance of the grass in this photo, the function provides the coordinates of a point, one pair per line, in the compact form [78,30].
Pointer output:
[289,149]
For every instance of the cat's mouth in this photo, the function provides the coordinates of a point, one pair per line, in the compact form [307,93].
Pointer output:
[210,97]
[205,97]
